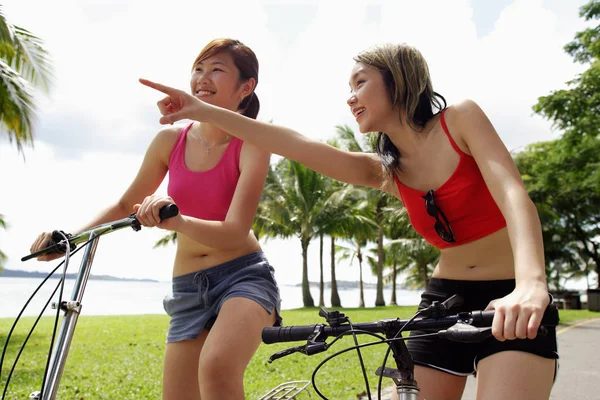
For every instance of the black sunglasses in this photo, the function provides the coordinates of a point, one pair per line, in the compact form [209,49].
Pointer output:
[443,229]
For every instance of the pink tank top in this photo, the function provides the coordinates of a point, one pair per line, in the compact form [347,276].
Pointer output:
[205,194]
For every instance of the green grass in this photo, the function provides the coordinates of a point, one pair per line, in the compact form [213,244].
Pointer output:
[567,317]
[120,357]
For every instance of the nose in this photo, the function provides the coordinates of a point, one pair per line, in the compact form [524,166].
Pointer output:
[352,99]
[202,78]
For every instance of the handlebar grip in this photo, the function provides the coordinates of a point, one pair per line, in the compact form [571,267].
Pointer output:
[550,317]
[168,211]
[278,334]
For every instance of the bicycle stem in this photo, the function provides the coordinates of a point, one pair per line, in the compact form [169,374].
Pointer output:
[403,376]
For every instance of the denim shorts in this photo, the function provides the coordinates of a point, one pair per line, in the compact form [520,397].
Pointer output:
[198,296]
[462,358]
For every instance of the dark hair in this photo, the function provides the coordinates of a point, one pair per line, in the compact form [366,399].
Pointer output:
[245,61]
[406,76]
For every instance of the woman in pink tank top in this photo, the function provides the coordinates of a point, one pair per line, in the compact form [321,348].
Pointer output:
[224,289]
[463,194]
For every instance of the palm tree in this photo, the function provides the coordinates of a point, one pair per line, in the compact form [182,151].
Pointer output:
[2,255]
[396,226]
[338,220]
[335,296]
[355,249]
[297,201]
[361,230]
[23,63]
[345,139]
[418,260]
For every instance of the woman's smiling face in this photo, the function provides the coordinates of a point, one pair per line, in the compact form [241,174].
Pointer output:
[369,100]
[215,80]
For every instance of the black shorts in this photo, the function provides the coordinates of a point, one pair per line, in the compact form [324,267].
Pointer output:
[462,358]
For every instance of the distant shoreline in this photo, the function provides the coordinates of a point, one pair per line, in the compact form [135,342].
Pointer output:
[15,273]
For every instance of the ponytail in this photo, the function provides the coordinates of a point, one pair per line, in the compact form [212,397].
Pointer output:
[250,106]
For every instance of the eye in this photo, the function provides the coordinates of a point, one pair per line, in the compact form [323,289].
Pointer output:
[359,82]
[198,69]
[218,69]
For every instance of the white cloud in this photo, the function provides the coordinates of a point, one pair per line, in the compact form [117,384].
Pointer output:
[98,121]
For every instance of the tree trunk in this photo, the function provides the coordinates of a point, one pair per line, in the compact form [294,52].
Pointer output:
[307,299]
[335,296]
[379,300]
[361,303]
[393,300]
[425,275]
[321,283]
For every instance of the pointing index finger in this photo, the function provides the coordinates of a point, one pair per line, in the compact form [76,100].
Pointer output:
[157,86]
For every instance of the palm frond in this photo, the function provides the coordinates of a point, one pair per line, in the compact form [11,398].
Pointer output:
[25,53]
[165,240]
[16,106]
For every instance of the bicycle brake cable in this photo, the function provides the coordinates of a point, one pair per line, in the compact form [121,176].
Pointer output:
[357,346]
[336,354]
[360,359]
[8,337]
[387,353]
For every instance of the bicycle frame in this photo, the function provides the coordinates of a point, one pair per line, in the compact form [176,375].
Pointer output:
[72,308]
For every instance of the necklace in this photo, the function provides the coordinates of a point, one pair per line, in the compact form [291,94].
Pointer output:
[208,148]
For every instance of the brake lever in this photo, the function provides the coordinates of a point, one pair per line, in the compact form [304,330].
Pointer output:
[466,333]
[59,242]
[287,352]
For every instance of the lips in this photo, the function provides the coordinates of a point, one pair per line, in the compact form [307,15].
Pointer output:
[204,92]
[358,111]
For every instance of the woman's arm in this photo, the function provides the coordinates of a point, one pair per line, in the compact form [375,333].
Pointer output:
[521,312]
[148,179]
[350,167]
[231,233]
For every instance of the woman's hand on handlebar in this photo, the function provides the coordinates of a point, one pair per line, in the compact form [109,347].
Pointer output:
[519,314]
[43,241]
[147,213]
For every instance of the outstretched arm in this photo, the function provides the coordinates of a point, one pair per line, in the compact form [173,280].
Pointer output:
[350,167]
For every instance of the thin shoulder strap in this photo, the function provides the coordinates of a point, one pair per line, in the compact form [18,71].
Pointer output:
[445,128]
[179,148]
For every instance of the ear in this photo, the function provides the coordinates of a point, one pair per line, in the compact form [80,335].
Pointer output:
[248,87]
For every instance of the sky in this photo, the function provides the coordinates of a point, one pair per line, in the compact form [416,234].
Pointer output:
[93,127]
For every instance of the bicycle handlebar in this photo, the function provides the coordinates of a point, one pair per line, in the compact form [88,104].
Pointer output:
[476,318]
[58,245]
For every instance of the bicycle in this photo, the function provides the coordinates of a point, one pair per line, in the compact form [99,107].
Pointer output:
[59,346]
[467,326]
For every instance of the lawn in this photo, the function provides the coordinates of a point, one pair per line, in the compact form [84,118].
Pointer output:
[120,357]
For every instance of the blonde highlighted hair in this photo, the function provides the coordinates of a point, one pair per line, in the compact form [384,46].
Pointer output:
[408,83]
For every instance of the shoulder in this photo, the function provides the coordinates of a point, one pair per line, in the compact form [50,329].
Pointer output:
[250,154]
[170,133]
[164,141]
[464,114]
[466,120]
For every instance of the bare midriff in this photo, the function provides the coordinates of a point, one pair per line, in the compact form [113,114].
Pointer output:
[489,258]
[192,256]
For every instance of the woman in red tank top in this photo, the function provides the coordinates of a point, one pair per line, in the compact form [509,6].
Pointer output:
[224,290]
[463,194]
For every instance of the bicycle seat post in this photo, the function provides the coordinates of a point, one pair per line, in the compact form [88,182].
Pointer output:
[72,309]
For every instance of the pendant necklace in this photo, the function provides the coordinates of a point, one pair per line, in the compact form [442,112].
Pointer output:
[208,148]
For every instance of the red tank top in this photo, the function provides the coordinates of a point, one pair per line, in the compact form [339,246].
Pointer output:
[205,194]
[464,198]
